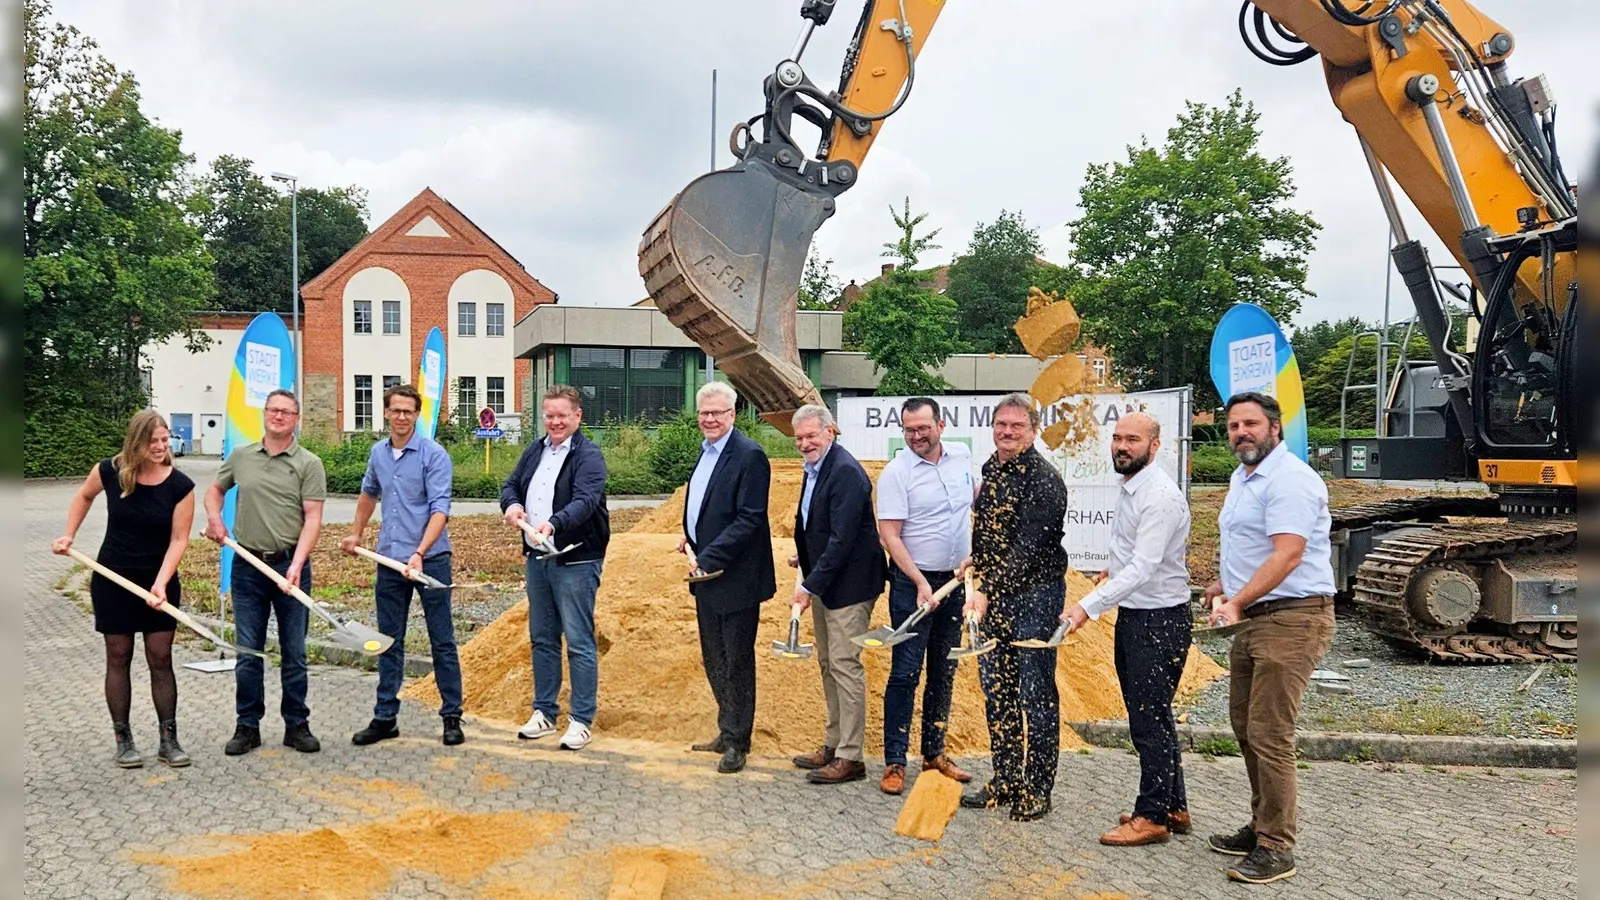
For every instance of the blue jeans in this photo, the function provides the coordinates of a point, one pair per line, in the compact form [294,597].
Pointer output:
[1019,687]
[393,596]
[254,599]
[561,602]
[935,635]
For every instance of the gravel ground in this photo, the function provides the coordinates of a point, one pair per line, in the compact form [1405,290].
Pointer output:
[1401,693]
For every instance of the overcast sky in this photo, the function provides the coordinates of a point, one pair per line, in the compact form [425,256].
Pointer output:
[562,128]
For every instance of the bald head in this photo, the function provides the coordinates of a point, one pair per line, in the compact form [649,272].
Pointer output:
[1134,443]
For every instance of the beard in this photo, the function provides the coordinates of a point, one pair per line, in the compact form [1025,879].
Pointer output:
[1127,464]
[1252,453]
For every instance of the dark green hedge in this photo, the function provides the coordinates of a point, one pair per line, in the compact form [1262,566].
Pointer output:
[61,443]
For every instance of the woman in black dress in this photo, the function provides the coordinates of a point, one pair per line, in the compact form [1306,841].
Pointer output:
[149,512]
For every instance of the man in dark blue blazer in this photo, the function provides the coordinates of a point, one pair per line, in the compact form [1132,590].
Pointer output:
[725,525]
[559,488]
[837,550]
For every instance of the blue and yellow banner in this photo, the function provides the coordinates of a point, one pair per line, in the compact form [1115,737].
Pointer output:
[430,382]
[1250,353]
[263,363]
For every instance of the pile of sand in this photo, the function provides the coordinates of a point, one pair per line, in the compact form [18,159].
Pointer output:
[652,686]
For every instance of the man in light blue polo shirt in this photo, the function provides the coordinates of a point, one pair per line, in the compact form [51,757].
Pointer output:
[925,522]
[1277,572]
[412,474]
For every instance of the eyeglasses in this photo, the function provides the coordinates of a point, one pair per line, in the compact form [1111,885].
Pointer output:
[283,413]
[918,431]
[713,413]
[402,413]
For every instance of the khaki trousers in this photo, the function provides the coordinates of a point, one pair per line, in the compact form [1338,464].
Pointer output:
[844,678]
[1268,672]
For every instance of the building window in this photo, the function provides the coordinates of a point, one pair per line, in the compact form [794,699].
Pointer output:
[363,322]
[1083,359]
[466,319]
[467,399]
[364,401]
[655,384]
[601,374]
[494,319]
[391,317]
[1100,368]
[390,381]
[494,389]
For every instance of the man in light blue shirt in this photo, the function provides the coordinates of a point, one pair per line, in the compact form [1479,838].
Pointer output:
[412,474]
[1277,573]
[710,452]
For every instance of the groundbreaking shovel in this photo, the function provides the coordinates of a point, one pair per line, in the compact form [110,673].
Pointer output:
[976,645]
[1055,639]
[884,636]
[165,607]
[699,574]
[792,648]
[355,636]
[416,575]
[543,547]
[1215,631]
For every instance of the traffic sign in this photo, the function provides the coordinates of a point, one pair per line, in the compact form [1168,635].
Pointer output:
[486,418]
[489,433]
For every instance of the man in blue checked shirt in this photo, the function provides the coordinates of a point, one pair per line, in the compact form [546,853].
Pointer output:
[412,475]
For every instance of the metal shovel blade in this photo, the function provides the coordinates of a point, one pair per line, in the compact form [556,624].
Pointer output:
[785,650]
[362,638]
[700,576]
[979,650]
[1216,631]
[547,550]
[881,637]
[1055,640]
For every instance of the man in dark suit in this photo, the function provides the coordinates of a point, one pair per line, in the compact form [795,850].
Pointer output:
[725,524]
[837,550]
[559,488]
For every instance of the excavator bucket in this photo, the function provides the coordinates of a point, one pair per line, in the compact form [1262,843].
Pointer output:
[723,261]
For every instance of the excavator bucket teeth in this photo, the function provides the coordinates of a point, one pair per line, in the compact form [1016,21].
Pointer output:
[723,262]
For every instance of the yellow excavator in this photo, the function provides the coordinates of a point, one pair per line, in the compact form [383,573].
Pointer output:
[1427,87]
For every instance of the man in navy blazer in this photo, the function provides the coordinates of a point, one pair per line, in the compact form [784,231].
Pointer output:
[841,561]
[559,488]
[725,524]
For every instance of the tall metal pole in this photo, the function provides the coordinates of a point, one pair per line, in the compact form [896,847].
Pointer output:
[294,280]
[1381,427]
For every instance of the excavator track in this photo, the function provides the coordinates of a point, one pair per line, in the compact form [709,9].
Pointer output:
[1385,576]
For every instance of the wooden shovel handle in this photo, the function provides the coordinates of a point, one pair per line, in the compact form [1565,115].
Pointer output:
[145,595]
[384,561]
[272,574]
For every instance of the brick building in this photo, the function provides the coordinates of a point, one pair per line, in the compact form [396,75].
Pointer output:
[366,316]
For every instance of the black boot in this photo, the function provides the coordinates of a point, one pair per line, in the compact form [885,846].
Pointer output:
[1264,865]
[985,797]
[453,734]
[127,754]
[245,738]
[1240,843]
[171,753]
[378,730]
[300,738]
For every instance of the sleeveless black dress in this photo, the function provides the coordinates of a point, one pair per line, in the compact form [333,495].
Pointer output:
[138,531]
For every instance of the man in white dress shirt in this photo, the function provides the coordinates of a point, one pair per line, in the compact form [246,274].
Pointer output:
[1148,584]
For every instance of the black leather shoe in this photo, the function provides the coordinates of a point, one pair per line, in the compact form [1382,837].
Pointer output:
[453,734]
[1030,809]
[1240,843]
[245,739]
[984,797]
[732,761]
[300,738]
[379,730]
[1264,865]
[715,745]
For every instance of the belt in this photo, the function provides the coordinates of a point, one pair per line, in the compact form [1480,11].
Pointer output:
[270,556]
[1271,606]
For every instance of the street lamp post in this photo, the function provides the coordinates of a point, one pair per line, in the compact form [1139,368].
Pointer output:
[294,279]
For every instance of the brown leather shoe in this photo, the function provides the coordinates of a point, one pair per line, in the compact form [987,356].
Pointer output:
[947,768]
[838,772]
[814,760]
[894,779]
[1177,822]
[1136,832]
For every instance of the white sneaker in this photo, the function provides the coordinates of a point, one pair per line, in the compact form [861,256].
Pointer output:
[537,727]
[577,736]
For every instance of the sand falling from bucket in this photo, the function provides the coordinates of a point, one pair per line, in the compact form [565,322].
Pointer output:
[930,807]
[356,861]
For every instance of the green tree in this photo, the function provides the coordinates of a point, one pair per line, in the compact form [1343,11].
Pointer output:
[1324,381]
[1311,342]
[989,283]
[910,246]
[1174,235]
[248,228]
[906,330]
[819,288]
[111,261]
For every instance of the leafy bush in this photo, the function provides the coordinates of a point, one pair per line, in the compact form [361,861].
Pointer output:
[1211,463]
[675,449]
[1328,435]
[61,443]
[476,485]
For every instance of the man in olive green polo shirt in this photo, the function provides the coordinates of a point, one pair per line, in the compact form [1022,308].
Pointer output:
[279,512]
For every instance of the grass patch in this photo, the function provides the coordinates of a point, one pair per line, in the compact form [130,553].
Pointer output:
[1406,716]
[1214,747]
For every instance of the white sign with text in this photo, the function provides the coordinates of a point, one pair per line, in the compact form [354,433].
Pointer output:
[870,429]
[261,373]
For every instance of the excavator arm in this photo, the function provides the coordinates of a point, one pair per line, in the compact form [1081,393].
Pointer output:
[1423,82]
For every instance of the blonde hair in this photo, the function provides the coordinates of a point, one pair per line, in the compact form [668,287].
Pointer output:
[136,449]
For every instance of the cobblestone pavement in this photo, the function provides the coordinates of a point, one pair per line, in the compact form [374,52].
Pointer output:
[1366,832]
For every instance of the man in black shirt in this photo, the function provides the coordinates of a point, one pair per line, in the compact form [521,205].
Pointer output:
[1021,570]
